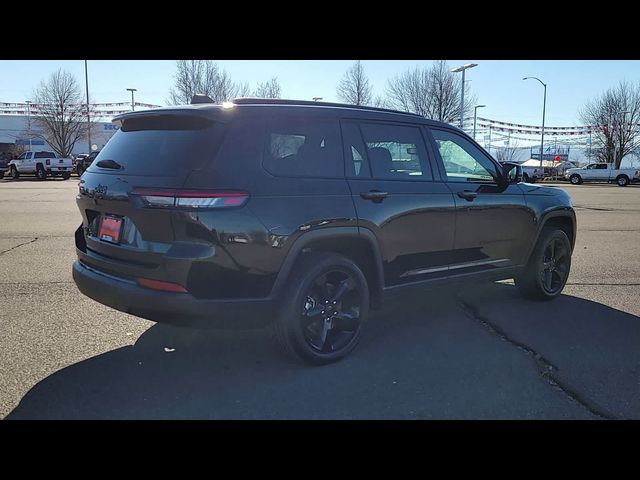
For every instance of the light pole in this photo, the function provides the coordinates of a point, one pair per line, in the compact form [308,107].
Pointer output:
[462,69]
[86,79]
[315,99]
[28,102]
[133,105]
[544,106]
[475,116]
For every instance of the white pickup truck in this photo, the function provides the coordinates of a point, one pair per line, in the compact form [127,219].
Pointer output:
[602,172]
[42,164]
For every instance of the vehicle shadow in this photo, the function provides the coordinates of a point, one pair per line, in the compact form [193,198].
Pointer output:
[420,357]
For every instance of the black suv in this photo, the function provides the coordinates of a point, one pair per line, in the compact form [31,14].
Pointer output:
[303,215]
[83,163]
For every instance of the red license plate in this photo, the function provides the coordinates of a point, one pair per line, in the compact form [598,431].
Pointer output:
[110,229]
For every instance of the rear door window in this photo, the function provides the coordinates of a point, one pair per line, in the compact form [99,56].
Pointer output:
[163,145]
[396,152]
[303,147]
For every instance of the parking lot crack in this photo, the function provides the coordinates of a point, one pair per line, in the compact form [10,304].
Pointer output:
[547,370]
[19,245]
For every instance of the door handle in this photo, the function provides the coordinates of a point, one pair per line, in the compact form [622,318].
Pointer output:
[375,196]
[468,196]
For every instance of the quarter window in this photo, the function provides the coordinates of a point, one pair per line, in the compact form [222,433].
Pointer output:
[300,147]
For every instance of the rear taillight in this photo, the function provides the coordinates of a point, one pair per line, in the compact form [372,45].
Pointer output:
[73,161]
[160,285]
[167,198]
[48,161]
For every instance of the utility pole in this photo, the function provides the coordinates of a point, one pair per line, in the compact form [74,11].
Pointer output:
[462,69]
[29,122]
[133,105]
[86,79]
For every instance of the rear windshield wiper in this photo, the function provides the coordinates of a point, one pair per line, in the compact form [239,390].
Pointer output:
[109,164]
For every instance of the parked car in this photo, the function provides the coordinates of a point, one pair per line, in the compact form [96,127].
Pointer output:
[303,216]
[602,172]
[42,164]
[84,162]
[4,163]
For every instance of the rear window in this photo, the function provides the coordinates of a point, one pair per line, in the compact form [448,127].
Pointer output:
[166,145]
[45,155]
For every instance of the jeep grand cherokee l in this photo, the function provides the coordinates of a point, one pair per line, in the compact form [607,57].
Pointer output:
[304,215]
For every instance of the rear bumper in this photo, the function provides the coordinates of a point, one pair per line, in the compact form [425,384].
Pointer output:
[174,308]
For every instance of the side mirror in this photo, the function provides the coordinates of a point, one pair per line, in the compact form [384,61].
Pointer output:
[512,172]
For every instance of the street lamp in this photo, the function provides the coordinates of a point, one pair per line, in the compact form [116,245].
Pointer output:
[462,69]
[475,115]
[544,106]
[133,105]
[28,102]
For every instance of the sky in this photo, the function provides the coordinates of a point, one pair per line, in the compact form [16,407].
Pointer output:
[498,84]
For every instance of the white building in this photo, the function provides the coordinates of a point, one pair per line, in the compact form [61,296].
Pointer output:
[14,131]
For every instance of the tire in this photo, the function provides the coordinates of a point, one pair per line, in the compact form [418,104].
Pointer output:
[575,179]
[41,173]
[15,174]
[312,290]
[622,180]
[525,178]
[553,250]
[66,175]
[1,174]
[79,171]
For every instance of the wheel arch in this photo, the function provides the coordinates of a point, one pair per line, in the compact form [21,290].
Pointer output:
[564,219]
[360,245]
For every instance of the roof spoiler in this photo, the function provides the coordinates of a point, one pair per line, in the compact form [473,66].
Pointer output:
[201,98]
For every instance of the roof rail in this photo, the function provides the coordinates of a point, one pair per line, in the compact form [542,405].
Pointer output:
[282,101]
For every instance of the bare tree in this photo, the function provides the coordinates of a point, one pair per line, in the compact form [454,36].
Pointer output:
[203,77]
[433,92]
[509,153]
[269,89]
[59,112]
[613,117]
[355,88]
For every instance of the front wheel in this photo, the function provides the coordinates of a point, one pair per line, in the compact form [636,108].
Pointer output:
[323,309]
[547,271]
[14,172]
[575,179]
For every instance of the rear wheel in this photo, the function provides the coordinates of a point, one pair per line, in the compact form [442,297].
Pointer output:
[622,180]
[323,310]
[547,271]
[41,173]
[14,172]
[66,175]
[79,171]
[575,179]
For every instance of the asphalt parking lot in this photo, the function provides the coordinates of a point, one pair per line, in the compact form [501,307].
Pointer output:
[478,352]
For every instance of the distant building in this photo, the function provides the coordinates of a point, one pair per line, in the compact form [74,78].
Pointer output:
[14,132]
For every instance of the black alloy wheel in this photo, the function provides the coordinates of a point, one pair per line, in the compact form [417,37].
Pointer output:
[555,266]
[323,308]
[330,316]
